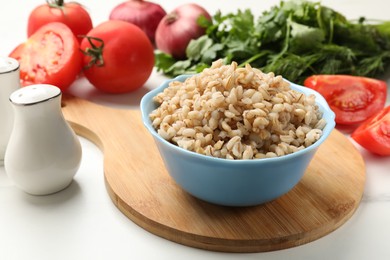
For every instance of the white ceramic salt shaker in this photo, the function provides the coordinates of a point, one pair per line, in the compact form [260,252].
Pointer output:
[9,82]
[43,152]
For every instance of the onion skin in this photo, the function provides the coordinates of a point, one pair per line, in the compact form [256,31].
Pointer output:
[178,28]
[146,15]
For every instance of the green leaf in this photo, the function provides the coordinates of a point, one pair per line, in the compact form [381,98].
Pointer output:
[211,53]
[203,21]
[198,46]
[163,61]
[305,38]
[383,28]
[292,67]
[373,65]
[178,68]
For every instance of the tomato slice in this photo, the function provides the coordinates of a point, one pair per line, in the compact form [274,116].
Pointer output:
[374,134]
[352,98]
[51,56]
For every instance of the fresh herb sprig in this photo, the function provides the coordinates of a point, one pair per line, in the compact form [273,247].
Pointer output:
[293,39]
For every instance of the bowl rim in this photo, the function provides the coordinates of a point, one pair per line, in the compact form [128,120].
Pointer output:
[320,101]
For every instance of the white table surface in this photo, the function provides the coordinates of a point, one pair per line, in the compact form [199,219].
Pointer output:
[81,222]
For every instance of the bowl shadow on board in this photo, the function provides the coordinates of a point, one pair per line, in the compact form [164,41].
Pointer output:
[220,211]
[55,199]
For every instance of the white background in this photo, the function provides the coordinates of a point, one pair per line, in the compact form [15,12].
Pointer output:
[81,222]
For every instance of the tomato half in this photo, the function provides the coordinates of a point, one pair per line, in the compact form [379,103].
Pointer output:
[118,58]
[51,55]
[72,14]
[374,134]
[352,98]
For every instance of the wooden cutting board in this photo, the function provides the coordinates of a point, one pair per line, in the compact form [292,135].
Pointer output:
[141,188]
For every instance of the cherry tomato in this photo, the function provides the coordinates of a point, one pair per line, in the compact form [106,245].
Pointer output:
[51,55]
[72,14]
[374,134]
[353,99]
[119,57]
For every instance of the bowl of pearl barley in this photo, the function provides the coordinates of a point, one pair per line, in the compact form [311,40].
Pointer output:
[236,136]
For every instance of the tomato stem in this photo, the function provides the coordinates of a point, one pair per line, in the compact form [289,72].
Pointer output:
[95,52]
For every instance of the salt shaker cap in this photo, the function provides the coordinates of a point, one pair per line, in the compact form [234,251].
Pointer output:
[34,94]
[8,64]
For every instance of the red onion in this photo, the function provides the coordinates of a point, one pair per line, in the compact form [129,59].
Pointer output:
[146,15]
[178,28]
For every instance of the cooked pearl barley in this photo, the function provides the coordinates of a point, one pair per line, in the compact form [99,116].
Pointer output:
[237,113]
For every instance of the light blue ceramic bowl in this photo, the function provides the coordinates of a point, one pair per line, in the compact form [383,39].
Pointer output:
[234,182]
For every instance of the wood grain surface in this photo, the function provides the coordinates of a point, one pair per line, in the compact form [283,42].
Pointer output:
[141,188]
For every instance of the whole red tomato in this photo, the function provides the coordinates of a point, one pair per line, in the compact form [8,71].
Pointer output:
[51,55]
[72,14]
[119,57]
